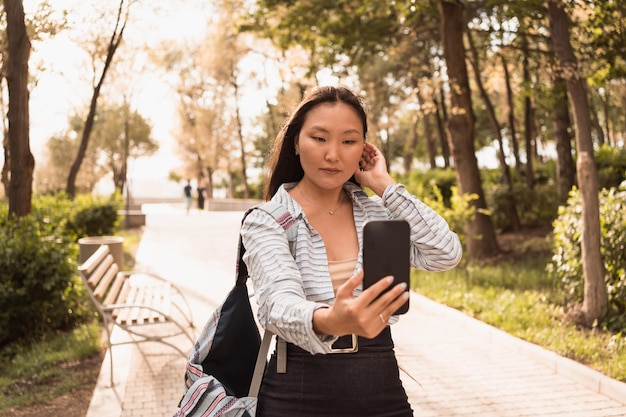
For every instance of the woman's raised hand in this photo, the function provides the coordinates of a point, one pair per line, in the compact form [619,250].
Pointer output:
[372,171]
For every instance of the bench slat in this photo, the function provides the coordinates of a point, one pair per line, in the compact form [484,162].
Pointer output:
[113,296]
[121,314]
[98,273]
[104,286]
[125,314]
[94,260]
[143,315]
[163,300]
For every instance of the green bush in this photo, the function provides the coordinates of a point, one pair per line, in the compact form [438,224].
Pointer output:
[39,289]
[566,264]
[611,163]
[535,207]
[94,216]
[437,190]
[436,184]
[85,215]
[98,220]
[39,284]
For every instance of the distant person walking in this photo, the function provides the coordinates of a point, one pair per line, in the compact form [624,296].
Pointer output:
[187,190]
[201,194]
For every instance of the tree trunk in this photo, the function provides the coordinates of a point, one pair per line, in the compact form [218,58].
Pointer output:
[511,114]
[514,221]
[528,118]
[430,141]
[595,123]
[607,117]
[242,144]
[595,293]
[409,146]
[6,167]
[428,134]
[565,173]
[114,43]
[442,115]
[481,238]
[22,163]
[491,114]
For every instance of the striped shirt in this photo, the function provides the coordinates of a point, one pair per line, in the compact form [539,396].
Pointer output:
[289,288]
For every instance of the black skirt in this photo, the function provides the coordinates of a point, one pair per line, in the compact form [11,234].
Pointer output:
[364,383]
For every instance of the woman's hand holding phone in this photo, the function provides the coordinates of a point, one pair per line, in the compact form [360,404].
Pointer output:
[366,315]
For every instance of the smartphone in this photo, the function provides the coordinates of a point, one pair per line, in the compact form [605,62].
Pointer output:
[386,246]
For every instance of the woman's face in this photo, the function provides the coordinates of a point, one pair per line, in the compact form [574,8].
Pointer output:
[330,144]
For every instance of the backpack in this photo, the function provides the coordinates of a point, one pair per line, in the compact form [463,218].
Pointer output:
[225,368]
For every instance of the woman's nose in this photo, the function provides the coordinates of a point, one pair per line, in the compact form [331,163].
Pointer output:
[331,153]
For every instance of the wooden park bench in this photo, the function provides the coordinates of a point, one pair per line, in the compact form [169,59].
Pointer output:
[135,302]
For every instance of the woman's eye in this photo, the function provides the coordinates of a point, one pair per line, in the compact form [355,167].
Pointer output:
[316,138]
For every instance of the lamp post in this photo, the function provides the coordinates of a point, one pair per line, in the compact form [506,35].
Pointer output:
[126,184]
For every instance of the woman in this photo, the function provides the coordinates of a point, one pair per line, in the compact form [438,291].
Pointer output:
[312,297]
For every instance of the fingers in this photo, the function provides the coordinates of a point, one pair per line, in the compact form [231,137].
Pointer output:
[385,305]
[370,148]
[367,314]
[391,308]
[368,158]
[369,295]
[392,300]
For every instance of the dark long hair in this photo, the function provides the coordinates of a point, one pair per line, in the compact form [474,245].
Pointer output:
[284,164]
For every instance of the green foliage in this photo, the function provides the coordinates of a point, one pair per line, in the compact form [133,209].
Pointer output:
[436,189]
[86,215]
[535,207]
[39,285]
[566,264]
[611,164]
[38,258]
[331,30]
[441,184]
[97,220]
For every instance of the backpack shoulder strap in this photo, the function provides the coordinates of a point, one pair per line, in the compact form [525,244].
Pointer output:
[288,223]
[282,217]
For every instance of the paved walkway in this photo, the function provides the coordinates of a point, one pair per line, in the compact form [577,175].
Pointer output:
[458,366]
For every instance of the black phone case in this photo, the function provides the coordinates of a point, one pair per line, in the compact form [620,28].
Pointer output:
[386,246]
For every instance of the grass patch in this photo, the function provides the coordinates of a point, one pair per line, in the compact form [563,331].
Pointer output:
[132,238]
[518,298]
[39,373]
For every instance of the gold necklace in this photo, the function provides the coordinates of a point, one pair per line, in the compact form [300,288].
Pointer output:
[331,212]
